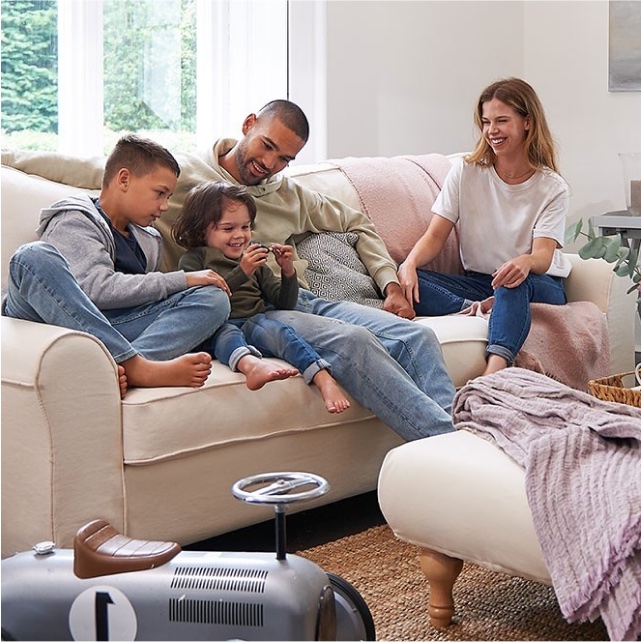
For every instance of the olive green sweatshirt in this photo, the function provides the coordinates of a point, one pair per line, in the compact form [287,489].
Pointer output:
[250,294]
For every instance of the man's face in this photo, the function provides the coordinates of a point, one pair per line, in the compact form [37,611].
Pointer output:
[267,147]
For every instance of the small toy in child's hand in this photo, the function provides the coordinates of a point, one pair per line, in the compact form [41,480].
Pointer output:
[269,249]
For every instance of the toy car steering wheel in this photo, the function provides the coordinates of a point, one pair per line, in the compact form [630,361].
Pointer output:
[279,487]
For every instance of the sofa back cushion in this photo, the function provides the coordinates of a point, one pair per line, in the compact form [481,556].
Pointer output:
[23,196]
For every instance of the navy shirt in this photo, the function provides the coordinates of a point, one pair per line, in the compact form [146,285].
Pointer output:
[130,259]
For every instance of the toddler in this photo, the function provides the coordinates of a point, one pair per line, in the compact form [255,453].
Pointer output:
[215,226]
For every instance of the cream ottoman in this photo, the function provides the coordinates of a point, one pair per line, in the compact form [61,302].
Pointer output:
[459,498]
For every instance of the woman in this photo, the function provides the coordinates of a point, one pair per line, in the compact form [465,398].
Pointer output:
[510,205]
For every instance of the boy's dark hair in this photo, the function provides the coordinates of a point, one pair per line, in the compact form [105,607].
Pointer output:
[290,114]
[203,206]
[140,156]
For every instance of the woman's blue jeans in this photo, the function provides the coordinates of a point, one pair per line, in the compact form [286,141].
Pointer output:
[42,288]
[262,335]
[510,321]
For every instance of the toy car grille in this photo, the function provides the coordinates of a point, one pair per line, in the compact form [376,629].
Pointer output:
[220,579]
[218,612]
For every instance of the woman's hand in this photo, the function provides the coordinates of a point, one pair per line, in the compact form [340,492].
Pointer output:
[284,255]
[207,277]
[513,272]
[408,278]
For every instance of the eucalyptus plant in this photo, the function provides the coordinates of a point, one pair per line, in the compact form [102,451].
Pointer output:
[611,249]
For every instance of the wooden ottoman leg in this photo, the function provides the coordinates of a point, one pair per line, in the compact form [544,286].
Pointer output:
[441,572]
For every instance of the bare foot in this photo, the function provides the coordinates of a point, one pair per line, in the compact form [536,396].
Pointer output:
[122,381]
[494,364]
[334,398]
[187,370]
[259,372]
[486,305]
[479,308]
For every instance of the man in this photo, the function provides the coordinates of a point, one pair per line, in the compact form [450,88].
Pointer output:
[388,364]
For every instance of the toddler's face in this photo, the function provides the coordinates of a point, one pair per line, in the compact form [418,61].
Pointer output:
[232,233]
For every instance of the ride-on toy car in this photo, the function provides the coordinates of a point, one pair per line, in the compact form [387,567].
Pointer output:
[112,587]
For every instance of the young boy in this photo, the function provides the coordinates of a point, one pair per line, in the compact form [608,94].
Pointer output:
[96,269]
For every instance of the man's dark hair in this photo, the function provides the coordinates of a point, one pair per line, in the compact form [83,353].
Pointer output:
[140,156]
[290,114]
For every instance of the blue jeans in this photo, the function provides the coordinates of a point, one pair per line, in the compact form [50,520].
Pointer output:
[264,336]
[510,320]
[41,288]
[391,366]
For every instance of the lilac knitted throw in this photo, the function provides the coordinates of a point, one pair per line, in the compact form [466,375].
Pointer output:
[582,460]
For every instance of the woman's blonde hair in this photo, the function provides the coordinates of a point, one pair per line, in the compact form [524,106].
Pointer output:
[519,95]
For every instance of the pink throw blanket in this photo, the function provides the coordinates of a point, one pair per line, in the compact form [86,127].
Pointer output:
[570,342]
[582,460]
[397,195]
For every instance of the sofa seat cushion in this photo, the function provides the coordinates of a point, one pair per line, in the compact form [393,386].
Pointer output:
[492,525]
[166,423]
[463,341]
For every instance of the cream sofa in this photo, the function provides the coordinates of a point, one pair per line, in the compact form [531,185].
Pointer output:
[160,463]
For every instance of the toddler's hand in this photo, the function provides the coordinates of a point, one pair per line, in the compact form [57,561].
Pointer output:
[284,255]
[254,256]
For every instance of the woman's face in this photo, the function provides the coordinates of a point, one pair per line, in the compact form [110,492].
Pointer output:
[504,128]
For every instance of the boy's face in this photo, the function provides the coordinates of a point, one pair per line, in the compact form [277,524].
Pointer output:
[232,233]
[146,197]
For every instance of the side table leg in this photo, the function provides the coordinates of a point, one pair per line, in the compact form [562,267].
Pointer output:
[441,572]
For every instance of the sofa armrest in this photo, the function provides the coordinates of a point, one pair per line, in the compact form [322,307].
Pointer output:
[62,451]
[594,280]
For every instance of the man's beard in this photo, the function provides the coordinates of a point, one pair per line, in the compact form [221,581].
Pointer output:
[245,173]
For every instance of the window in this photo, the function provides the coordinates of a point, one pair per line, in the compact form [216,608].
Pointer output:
[77,74]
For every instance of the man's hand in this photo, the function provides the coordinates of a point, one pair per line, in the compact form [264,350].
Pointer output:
[396,303]
[207,277]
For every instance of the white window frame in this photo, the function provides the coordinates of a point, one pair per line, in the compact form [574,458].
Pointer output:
[239,42]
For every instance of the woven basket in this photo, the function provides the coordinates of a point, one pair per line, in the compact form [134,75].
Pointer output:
[613,389]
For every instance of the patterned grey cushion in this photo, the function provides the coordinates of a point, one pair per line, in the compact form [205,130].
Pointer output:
[335,270]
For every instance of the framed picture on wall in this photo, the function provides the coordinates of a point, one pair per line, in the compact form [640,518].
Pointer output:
[624,68]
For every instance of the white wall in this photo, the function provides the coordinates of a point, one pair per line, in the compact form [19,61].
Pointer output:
[403,78]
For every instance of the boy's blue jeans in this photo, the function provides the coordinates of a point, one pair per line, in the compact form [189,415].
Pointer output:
[261,335]
[510,321]
[41,288]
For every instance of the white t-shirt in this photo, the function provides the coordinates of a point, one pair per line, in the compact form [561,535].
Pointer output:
[498,222]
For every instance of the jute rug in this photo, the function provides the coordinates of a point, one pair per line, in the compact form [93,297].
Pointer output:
[489,605]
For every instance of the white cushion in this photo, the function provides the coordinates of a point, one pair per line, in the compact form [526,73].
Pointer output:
[460,495]
[23,196]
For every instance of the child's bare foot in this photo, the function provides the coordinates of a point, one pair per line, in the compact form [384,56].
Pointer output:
[122,381]
[334,398]
[187,370]
[259,372]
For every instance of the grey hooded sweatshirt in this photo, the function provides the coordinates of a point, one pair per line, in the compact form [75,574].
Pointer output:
[79,232]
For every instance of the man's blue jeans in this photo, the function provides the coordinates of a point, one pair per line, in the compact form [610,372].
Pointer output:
[510,321]
[42,288]
[391,366]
